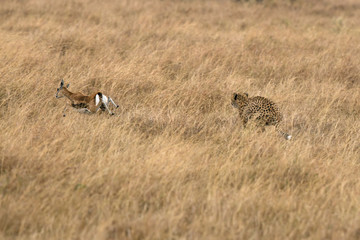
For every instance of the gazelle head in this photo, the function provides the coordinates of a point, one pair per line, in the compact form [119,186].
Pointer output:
[60,89]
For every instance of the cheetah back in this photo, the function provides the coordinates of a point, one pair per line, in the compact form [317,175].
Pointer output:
[263,110]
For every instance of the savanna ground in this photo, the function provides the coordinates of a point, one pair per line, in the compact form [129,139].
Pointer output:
[175,162]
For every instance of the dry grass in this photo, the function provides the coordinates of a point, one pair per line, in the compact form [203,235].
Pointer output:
[174,163]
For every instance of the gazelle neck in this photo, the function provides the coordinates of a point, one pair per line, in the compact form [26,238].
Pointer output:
[67,93]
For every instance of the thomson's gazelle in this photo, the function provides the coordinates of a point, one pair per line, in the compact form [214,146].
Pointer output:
[84,103]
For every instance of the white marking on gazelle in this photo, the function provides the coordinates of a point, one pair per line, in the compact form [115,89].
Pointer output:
[97,99]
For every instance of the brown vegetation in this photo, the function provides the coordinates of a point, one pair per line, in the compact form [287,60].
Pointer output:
[174,162]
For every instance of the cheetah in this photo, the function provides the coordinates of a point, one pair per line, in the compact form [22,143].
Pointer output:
[263,110]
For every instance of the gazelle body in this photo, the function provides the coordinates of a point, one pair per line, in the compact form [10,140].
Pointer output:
[85,103]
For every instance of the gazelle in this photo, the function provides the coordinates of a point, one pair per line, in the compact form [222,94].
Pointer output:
[85,103]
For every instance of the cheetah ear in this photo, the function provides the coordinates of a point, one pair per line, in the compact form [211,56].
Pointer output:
[247,95]
[235,96]
[68,85]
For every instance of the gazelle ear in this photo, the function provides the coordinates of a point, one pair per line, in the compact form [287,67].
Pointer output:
[247,95]
[67,86]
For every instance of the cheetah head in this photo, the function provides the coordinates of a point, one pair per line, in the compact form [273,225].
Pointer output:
[239,100]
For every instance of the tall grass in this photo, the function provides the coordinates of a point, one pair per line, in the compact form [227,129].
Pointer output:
[175,162]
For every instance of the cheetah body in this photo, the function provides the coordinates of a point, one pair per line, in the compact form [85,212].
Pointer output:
[262,110]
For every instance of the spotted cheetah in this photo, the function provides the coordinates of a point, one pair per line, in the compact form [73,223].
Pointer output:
[263,110]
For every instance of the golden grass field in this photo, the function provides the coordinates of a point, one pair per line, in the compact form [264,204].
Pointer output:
[175,162]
